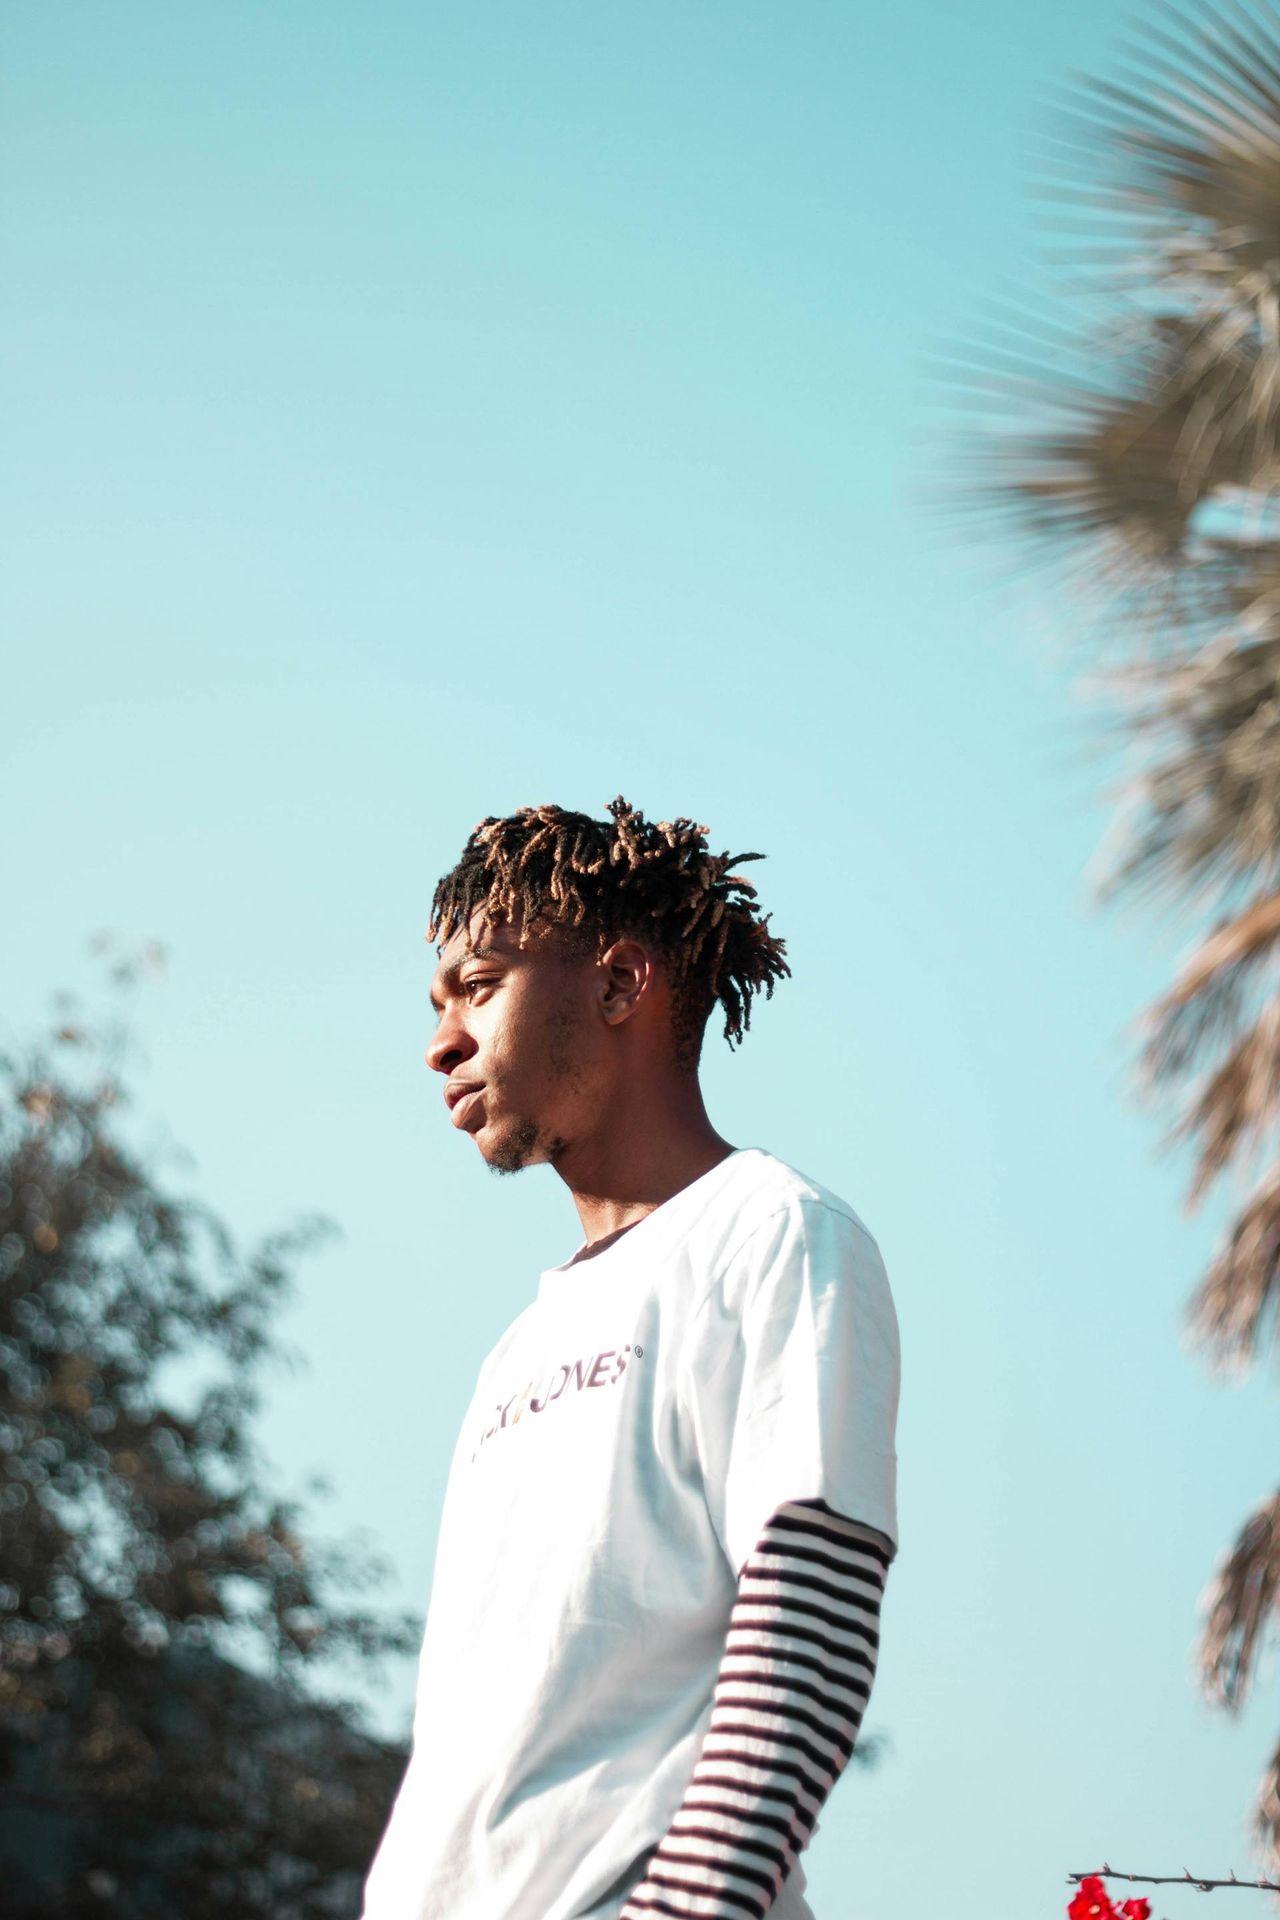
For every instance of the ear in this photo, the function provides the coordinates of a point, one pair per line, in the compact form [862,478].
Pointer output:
[626,974]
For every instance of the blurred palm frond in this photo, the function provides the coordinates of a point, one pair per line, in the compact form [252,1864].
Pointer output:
[1133,437]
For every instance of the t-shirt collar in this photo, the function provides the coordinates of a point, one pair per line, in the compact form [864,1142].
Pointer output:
[665,1217]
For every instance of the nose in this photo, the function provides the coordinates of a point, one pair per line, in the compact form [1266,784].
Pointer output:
[450,1046]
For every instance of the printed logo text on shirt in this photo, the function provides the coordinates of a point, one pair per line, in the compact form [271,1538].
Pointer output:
[603,1369]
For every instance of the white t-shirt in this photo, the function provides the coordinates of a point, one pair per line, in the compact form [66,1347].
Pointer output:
[630,1435]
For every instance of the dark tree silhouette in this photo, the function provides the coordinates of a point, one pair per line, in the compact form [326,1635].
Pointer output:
[163,1746]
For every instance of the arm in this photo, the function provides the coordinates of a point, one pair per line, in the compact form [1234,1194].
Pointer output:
[790,1694]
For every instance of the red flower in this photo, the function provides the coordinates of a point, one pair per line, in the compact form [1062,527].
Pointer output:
[1091,1903]
[1135,1910]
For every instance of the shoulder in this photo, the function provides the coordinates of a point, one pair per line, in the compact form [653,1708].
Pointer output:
[770,1215]
[767,1191]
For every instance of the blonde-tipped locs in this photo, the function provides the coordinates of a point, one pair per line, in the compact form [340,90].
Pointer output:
[598,879]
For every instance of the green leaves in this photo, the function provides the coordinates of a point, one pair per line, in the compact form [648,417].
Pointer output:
[160,1605]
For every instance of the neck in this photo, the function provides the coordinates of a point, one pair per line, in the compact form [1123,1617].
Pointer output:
[658,1139]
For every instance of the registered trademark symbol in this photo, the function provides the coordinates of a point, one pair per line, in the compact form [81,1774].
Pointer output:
[639,1353]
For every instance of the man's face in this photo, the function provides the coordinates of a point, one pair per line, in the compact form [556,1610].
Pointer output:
[518,1043]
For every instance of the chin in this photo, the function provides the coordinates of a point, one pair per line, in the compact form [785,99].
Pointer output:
[515,1147]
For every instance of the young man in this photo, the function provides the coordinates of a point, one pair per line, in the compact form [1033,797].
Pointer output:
[653,1626]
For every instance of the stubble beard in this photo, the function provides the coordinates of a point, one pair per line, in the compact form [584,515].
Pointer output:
[528,1138]
[518,1150]
[528,1143]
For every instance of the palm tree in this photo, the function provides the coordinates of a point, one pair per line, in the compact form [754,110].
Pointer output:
[1138,446]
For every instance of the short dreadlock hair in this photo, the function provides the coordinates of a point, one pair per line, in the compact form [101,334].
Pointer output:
[596,880]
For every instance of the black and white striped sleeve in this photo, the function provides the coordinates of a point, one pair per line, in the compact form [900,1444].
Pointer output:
[793,1684]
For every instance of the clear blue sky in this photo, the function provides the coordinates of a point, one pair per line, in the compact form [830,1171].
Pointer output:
[414,411]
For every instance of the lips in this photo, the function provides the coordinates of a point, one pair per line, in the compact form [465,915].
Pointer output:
[462,1098]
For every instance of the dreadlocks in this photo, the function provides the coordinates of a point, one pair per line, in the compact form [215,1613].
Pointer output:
[598,879]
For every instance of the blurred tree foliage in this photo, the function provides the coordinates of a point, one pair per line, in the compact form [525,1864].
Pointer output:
[1134,441]
[162,1749]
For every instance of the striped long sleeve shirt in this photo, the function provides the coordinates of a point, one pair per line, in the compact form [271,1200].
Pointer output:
[793,1684]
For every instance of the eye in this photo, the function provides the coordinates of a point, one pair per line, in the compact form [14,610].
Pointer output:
[478,980]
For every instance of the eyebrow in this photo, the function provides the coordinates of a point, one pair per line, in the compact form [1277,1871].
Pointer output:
[452,974]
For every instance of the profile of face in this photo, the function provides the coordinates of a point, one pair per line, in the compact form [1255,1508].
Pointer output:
[523,1038]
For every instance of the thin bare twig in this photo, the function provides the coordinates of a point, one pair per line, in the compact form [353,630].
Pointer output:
[1185,1878]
